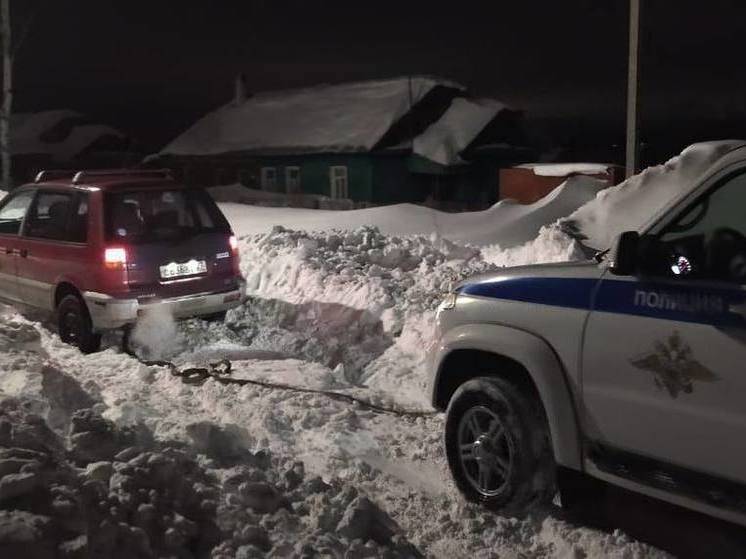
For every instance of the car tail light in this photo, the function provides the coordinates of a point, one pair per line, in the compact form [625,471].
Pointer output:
[233,242]
[115,258]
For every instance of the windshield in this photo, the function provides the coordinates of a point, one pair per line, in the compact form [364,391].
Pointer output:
[161,215]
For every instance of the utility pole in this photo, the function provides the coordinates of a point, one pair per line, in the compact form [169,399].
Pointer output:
[7,103]
[632,119]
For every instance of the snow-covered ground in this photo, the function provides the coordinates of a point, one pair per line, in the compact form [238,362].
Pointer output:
[339,301]
[506,224]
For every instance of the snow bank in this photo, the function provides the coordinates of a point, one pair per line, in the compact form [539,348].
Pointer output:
[506,223]
[633,203]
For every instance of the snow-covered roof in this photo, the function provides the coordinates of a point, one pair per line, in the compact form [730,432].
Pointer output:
[445,139]
[328,118]
[27,130]
[566,169]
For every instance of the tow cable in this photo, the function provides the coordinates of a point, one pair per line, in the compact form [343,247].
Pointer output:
[220,371]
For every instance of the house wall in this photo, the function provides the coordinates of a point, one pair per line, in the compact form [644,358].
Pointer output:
[315,172]
[393,183]
[525,187]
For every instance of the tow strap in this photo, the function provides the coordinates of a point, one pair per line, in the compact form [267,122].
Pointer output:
[220,371]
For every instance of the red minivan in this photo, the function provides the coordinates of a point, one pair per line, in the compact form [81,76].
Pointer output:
[100,248]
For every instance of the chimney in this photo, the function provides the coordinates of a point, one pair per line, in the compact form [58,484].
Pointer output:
[240,95]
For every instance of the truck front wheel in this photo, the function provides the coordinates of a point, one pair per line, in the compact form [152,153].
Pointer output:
[498,446]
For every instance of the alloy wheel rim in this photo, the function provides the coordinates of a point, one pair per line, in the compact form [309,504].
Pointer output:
[485,450]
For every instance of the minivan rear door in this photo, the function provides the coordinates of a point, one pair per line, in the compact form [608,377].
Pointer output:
[177,241]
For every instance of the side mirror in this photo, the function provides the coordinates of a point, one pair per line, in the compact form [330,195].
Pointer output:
[625,254]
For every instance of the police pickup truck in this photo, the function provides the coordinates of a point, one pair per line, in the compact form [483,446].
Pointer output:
[630,368]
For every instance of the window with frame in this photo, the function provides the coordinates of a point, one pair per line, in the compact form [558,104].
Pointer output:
[339,187]
[708,239]
[292,180]
[58,216]
[147,216]
[269,178]
[78,228]
[13,211]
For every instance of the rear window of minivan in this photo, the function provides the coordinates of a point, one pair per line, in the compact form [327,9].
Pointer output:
[146,216]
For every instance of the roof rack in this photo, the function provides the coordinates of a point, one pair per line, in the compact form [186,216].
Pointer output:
[81,176]
[51,174]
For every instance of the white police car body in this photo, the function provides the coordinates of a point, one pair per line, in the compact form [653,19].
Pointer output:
[631,369]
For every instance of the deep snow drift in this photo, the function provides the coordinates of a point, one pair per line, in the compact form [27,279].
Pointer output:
[506,223]
[633,203]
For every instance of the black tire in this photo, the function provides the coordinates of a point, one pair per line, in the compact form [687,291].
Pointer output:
[215,317]
[74,325]
[514,447]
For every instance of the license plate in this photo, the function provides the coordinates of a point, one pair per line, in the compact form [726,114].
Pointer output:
[178,269]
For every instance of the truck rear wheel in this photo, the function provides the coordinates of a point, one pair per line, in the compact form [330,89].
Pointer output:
[498,446]
[74,325]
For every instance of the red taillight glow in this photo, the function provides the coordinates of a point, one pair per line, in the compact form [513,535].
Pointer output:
[115,258]
[233,242]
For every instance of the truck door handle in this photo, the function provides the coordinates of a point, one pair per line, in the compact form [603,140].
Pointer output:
[739,309]
[8,250]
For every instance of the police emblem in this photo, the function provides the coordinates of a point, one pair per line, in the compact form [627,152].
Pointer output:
[673,366]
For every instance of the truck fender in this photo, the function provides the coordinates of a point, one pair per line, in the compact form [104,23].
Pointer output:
[544,368]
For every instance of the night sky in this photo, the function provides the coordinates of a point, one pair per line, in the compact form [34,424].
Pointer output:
[151,68]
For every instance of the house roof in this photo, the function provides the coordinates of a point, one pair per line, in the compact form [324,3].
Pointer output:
[566,169]
[27,132]
[446,138]
[349,117]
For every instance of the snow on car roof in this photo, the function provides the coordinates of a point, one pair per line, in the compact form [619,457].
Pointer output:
[635,203]
[327,118]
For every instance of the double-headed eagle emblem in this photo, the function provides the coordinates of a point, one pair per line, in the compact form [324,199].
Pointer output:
[673,366]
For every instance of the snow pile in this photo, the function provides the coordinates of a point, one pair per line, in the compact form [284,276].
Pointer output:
[506,223]
[327,118]
[359,302]
[551,245]
[141,464]
[108,491]
[633,203]
[565,169]
[352,293]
